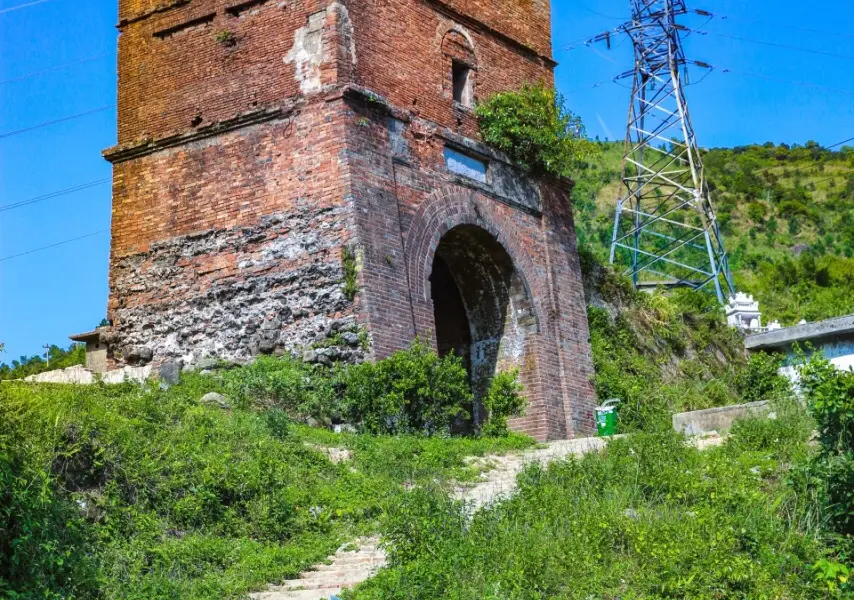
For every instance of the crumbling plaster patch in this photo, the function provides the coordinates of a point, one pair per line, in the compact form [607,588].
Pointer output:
[308,51]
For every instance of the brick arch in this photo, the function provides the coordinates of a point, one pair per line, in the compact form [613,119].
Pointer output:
[458,45]
[443,210]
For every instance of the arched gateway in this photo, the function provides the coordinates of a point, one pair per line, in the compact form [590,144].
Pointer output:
[481,305]
[501,287]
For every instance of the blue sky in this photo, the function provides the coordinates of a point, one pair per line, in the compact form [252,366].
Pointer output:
[47,295]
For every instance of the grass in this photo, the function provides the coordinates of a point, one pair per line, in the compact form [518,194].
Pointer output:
[665,353]
[170,498]
[648,518]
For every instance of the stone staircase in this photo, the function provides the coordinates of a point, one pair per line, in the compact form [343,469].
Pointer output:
[352,564]
[499,481]
[356,562]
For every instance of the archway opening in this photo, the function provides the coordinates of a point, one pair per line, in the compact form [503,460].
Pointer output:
[482,308]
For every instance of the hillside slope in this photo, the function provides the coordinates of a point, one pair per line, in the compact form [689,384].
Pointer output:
[786,213]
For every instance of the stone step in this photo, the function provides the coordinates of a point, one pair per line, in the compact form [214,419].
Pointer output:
[335,573]
[356,561]
[323,584]
[296,594]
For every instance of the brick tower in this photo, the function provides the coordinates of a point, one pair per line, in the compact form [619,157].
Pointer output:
[307,177]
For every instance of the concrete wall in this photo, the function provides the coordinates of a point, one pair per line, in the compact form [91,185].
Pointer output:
[718,419]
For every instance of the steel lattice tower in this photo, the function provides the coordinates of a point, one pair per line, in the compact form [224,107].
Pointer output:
[665,231]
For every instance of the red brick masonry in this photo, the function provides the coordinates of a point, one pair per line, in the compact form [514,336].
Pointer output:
[261,142]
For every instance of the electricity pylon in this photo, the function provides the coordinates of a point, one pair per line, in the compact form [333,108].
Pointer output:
[665,230]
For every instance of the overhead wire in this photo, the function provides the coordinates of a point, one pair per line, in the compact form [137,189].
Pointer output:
[843,142]
[729,70]
[20,6]
[68,241]
[595,12]
[773,44]
[591,86]
[62,192]
[55,68]
[780,25]
[14,132]
[792,81]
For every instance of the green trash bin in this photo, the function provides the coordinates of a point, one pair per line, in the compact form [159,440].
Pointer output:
[606,418]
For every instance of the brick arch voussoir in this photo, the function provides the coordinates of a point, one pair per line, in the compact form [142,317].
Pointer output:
[443,210]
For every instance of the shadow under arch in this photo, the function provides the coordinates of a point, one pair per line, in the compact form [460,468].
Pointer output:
[482,306]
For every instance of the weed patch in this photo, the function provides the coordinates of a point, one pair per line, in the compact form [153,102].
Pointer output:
[647,518]
[139,493]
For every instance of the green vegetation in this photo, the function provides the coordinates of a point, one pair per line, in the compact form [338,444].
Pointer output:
[534,128]
[830,396]
[411,392]
[137,492]
[648,518]
[503,399]
[351,270]
[766,515]
[786,213]
[60,358]
[142,493]
[662,354]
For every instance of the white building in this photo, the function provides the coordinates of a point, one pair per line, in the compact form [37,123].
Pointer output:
[834,338]
[742,312]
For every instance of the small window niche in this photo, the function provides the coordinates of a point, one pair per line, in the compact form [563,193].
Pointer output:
[465,165]
[461,74]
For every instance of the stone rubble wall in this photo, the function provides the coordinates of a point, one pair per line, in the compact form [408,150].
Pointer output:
[255,307]
[78,374]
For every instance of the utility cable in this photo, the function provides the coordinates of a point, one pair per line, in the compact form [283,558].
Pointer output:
[591,86]
[82,237]
[20,6]
[590,10]
[792,81]
[56,68]
[55,121]
[728,70]
[851,139]
[773,44]
[724,17]
[70,190]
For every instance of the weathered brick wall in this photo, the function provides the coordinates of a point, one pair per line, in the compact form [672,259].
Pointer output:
[246,165]
[407,203]
[231,245]
[399,45]
[177,70]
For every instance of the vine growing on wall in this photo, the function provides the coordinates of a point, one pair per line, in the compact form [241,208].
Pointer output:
[348,261]
[533,127]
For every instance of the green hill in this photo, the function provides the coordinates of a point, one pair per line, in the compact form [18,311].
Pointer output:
[786,213]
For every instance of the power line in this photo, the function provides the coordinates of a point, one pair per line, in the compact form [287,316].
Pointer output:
[773,44]
[792,81]
[590,10]
[728,70]
[69,190]
[851,139]
[20,6]
[591,86]
[56,68]
[54,121]
[780,25]
[88,235]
